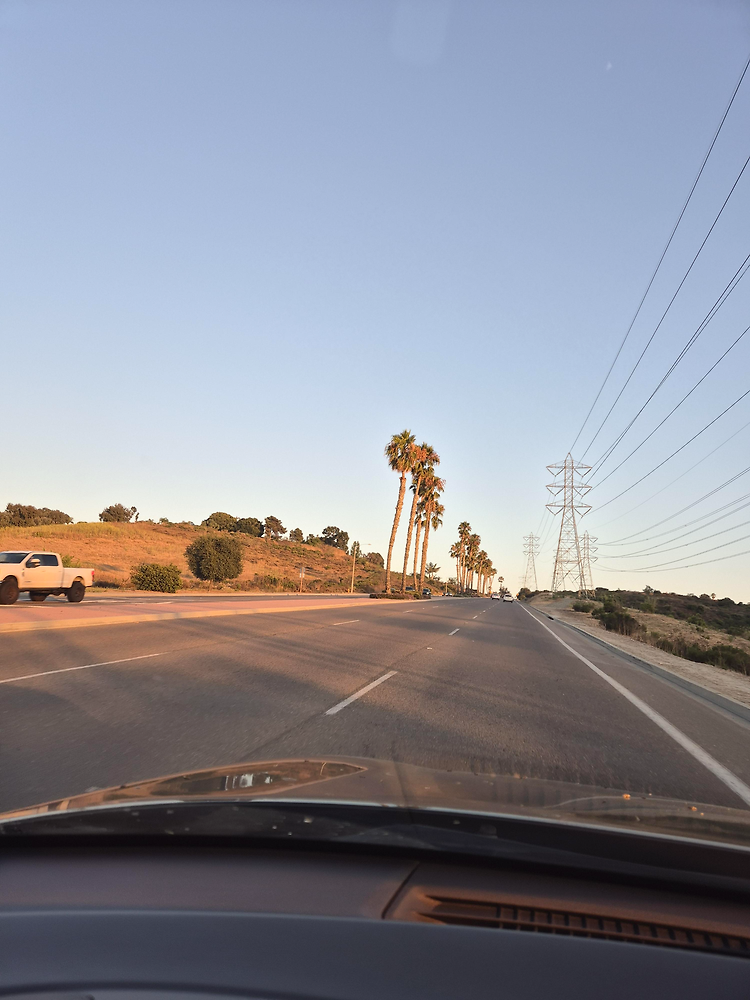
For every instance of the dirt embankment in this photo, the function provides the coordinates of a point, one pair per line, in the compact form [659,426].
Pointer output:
[114,549]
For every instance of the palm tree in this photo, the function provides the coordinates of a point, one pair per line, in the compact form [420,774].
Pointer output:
[472,548]
[356,550]
[425,460]
[455,553]
[434,511]
[419,522]
[399,452]
[431,570]
[464,531]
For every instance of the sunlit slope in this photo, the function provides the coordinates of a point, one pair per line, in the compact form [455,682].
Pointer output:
[113,549]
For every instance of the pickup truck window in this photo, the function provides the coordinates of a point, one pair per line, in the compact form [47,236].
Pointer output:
[46,559]
[12,557]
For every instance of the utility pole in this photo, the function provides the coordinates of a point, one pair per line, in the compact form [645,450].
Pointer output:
[568,491]
[531,551]
[586,549]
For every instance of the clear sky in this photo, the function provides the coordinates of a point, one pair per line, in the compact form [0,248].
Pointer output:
[242,243]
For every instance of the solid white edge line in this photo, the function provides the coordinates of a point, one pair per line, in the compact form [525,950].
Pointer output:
[702,756]
[453,632]
[350,622]
[358,694]
[86,666]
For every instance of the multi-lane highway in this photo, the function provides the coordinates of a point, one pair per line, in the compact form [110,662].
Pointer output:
[460,684]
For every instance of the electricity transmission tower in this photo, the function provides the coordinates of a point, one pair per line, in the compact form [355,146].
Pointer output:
[587,547]
[568,489]
[531,551]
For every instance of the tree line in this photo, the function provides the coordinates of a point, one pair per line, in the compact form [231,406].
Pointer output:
[471,561]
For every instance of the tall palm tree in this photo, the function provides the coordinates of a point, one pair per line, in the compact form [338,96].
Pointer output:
[434,511]
[425,460]
[399,452]
[455,553]
[464,530]
[472,548]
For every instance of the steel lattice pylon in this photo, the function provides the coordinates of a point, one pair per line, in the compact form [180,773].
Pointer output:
[587,548]
[568,491]
[531,551]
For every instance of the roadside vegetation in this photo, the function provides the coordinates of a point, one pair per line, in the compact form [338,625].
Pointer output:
[702,629]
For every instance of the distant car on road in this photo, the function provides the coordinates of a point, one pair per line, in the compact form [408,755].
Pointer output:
[427,591]
[40,574]
[508,597]
[494,597]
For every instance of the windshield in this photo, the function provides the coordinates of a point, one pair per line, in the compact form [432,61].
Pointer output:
[388,408]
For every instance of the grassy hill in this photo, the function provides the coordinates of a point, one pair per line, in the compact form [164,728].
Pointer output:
[114,549]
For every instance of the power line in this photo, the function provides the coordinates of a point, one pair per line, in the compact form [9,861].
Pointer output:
[664,251]
[669,306]
[705,562]
[695,503]
[676,407]
[671,531]
[677,451]
[728,289]
[684,545]
[678,478]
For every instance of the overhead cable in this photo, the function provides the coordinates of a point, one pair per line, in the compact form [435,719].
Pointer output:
[678,478]
[660,550]
[664,251]
[728,289]
[675,452]
[695,503]
[669,306]
[670,531]
[705,562]
[675,407]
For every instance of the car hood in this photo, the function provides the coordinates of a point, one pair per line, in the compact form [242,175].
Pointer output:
[362,781]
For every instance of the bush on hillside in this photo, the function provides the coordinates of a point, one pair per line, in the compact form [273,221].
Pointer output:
[250,526]
[118,512]
[154,576]
[336,537]
[273,528]
[214,558]
[583,606]
[375,560]
[18,515]
[295,535]
[220,521]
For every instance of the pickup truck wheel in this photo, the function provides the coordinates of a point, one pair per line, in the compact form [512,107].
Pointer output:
[37,597]
[75,592]
[8,591]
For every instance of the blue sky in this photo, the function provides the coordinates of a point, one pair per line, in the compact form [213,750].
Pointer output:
[242,243]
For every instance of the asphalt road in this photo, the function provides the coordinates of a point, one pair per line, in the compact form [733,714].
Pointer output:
[472,685]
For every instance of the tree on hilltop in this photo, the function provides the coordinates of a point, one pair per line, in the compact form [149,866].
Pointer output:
[336,537]
[221,521]
[116,512]
[274,529]
[215,558]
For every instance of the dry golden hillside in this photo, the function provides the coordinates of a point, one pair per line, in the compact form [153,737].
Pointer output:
[114,549]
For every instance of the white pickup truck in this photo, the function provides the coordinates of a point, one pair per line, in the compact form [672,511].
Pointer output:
[40,574]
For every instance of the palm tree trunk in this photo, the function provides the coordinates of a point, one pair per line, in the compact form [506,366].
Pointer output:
[354,564]
[416,552]
[428,517]
[394,529]
[409,531]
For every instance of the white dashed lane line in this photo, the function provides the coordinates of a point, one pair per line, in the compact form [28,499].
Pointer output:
[453,632]
[85,666]
[358,694]
[350,622]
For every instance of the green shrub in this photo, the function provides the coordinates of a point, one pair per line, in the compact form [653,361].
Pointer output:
[295,535]
[154,576]
[614,619]
[250,526]
[117,512]
[69,562]
[649,607]
[583,606]
[215,558]
[220,521]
